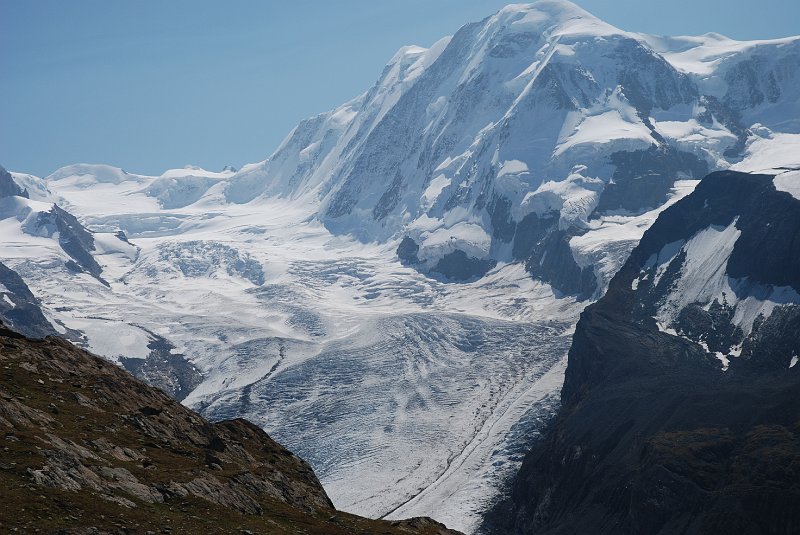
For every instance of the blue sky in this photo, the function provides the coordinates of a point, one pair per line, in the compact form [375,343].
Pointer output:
[149,85]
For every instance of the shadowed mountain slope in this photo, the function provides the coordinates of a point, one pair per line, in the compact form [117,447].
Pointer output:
[680,410]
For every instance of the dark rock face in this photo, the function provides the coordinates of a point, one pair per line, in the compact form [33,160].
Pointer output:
[774,340]
[766,253]
[458,266]
[642,179]
[649,81]
[90,449]
[652,436]
[407,251]
[758,79]
[531,231]
[389,199]
[503,224]
[714,326]
[552,262]
[170,372]
[19,308]
[547,255]
[551,87]
[536,241]
[121,235]
[74,239]
[9,188]
[731,119]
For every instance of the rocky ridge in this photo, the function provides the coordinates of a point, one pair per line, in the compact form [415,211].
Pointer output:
[89,449]
[656,434]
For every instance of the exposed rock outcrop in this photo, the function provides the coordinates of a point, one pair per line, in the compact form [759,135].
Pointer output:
[74,239]
[8,187]
[164,369]
[89,449]
[654,435]
[19,308]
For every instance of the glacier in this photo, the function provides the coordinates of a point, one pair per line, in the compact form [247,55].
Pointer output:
[520,161]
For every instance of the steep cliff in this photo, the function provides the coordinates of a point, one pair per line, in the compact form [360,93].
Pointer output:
[680,409]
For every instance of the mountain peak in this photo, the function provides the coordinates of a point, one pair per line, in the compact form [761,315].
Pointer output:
[100,172]
[407,51]
[555,17]
[552,7]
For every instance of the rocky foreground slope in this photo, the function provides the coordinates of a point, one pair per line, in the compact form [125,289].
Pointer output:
[87,448]
[680,405]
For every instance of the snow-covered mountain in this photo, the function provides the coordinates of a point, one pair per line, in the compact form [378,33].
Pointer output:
[391,294]
[531,122]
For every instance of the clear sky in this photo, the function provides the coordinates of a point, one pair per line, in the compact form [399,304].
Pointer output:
[149,85]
